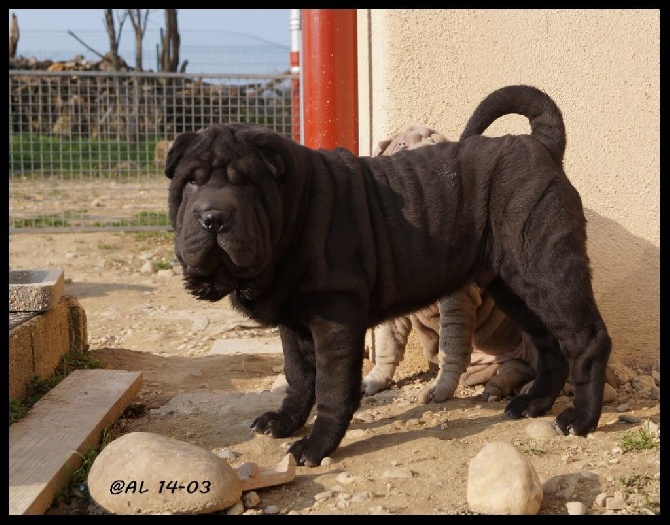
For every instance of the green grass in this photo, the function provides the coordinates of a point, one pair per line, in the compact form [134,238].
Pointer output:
[533,451]
[38,387]
[150,235]
[162,265]
[41,221]
[40,155]
[638,440]
[144,218]
[77,485]
[153,218]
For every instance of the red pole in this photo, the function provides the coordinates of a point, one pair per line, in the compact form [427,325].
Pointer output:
[329,74]
[295,70]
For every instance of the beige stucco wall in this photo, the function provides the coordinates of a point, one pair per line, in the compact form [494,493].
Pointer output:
[602,67]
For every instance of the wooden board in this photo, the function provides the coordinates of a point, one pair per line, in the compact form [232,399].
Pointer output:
[49,442]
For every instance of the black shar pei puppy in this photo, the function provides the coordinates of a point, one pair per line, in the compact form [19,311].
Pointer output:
[325,244]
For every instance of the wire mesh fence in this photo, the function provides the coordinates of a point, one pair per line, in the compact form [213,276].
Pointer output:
[87,149]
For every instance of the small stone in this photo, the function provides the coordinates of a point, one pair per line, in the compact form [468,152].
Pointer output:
[251,499]
[323,495]
[361,496]
[147,268]
[576,508]
[326,461]
[236,509]
[363,417]
[652,427]
[280,385]
[200,322]
[609,394]
[643,383]
[501,480]
[615,503]
[271,509]
[600,499]
[542,429]
[628,418]
[621,372]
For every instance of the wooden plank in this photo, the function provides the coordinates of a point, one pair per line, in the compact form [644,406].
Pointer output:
[49,442]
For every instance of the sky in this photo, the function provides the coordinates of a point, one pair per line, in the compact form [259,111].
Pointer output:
[268,24]
[212,40]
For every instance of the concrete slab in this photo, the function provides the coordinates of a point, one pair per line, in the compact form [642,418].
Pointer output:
[35,290]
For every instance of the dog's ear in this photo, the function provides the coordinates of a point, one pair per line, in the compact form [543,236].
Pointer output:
[176,151]
[381,146]
[273,160]
[271,147]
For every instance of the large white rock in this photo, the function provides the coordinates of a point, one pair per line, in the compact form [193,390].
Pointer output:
[131,476]
[501,480]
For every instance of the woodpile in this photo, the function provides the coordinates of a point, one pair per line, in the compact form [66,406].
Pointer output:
[78,63]
[133,107]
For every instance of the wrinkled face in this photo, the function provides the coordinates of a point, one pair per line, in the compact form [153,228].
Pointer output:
[225,204]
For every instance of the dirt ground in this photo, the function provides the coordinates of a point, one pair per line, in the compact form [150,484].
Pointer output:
[398,457]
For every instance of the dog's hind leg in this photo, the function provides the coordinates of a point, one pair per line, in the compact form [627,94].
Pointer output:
[564,304]
[552,366]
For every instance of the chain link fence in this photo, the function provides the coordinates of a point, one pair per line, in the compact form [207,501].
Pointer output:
[87,149]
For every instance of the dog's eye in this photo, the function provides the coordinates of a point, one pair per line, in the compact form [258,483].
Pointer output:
[236,176]
[197,176]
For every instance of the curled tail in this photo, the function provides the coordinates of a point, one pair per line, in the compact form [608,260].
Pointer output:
[546,121]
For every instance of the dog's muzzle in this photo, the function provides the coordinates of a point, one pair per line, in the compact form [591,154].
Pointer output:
[212,221]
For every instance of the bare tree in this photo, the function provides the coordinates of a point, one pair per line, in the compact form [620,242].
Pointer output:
[13,37]
[114,37]
[170,43]
[139,21]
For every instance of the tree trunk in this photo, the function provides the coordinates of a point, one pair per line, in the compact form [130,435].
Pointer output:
[170,44]
[139,27]
[13,37]
[113,42]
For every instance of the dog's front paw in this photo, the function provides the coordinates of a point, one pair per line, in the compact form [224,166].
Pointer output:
[369,387]
[525,405]
[577,422]
[323,438]
[436,392]
[441,389]
[491,392]
[274,424]
[378,379]
[307,453]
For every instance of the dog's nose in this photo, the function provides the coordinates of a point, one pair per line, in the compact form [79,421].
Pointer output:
[212,221]
[402,144]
